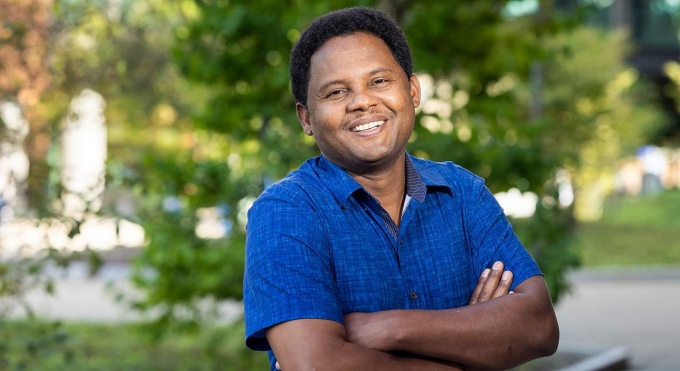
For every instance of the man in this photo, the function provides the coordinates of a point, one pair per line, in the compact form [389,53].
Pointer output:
[367,257]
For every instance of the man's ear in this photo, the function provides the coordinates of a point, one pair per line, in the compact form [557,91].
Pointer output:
[415,89]
[305,119]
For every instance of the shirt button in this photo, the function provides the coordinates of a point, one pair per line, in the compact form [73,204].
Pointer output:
[413,295]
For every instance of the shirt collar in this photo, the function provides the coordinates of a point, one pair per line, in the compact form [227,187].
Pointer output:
[420,176]
[414,184]
[429,173]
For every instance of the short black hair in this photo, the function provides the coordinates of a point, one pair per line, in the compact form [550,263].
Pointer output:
[340,23]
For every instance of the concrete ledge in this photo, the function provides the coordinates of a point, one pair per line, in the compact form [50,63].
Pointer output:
[612,359]
[582,357]
[626,273]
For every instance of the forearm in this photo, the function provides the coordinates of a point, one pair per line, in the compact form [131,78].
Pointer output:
[495,342]
[321,345]
[354,357]
[350,356]
[497,334]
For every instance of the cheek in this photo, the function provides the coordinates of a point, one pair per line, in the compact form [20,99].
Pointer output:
[326,117]
[401,99]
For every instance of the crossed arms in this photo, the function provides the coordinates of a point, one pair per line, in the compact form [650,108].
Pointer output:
[488,334]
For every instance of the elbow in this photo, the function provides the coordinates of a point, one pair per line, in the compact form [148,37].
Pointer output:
[541,340]
[553,340]
[549,337]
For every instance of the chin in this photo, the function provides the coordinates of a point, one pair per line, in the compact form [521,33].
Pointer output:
[376,159]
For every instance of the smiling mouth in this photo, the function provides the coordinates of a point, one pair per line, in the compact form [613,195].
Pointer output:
[368,126]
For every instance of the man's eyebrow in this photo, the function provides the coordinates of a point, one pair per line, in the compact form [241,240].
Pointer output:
[380,70]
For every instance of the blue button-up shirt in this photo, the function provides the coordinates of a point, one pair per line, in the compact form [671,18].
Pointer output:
[319,246]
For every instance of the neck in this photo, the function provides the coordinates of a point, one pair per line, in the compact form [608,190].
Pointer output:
[388,186]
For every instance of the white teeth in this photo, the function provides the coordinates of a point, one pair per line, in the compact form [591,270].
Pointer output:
[368,126]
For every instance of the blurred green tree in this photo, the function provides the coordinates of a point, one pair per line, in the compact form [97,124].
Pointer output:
[170,168]
[672,70]
[603,115]
[24,77]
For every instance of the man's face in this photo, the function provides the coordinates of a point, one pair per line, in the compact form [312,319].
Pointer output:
[360,105]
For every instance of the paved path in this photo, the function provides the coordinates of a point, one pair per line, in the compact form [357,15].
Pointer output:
[637,309]
[81,298]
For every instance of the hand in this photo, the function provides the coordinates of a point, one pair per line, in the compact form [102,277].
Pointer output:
[372,329]
[492,284]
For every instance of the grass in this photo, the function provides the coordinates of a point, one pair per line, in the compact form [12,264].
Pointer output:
[633,231]
[43,346]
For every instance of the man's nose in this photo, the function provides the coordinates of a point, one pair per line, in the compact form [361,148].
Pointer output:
[362,100]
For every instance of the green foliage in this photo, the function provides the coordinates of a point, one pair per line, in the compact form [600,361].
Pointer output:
[122,51]
[672,89]
[600,116]
[177,268]
[26,345]
[91,347]
[549,233]
[21,345]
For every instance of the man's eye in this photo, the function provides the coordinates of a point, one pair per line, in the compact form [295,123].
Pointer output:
[380,81]
[334,92]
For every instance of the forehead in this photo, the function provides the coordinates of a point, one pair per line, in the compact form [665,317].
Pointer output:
[349,53]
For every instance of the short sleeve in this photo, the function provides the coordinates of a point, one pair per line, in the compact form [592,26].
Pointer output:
[492,237]
[288,273]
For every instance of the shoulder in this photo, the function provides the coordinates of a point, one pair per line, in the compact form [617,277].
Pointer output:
[448,174]
[298,185]
[301,193]
[288,207]
[443,167]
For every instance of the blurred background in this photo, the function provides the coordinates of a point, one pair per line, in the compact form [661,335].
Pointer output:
[134,136]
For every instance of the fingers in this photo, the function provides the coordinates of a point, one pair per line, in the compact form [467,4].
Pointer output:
[478,289]
[503,286]
[492,283]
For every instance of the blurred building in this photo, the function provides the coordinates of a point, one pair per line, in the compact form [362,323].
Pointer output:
[654,26]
